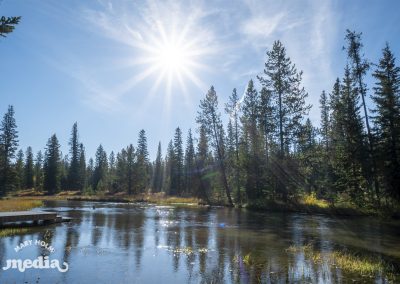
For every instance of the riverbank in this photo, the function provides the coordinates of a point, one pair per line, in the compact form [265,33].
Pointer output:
[28,199]
[309,204]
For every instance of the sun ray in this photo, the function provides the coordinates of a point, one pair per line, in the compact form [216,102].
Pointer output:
[174,52]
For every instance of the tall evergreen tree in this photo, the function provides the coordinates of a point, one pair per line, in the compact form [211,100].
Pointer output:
[8,147]
[352,162]
[203,161]
[210,119]
[169,169]
[177,174]
[142,162]
[232,108]
[64,166]
[253,158]
[29,170]
[82,168]
[267,120]
[52,166]
[359,68]
[325,165]
[158,171]
[90,175]
[100,169]
[19,170]
[387,119]
[283,81]
[112,173]
[307,157]
[39,171]
[130,168]
[189,164]
[120,172]
[74,182]
[325,123]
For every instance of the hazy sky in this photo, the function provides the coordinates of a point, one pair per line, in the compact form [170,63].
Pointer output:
[116,67]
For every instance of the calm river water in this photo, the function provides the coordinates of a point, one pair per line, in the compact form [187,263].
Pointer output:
[134,243]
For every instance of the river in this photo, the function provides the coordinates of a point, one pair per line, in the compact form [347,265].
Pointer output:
[139,243]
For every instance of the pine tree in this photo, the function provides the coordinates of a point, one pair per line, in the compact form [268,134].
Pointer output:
[359,68]
[189,164]
[325,152]
[130,168]
[324,106]
[267,120]
[143,164]
[7,25]
[177,174]
[39,171]
[90,176]
[336,138]
[74,182]
[8,147]
[158,171]
[387,119]
[29,171]
[253,159]
[82,168]
[283,81]
[169,169]
[19,170]
[210,119]
[100,170]
[121,170]
[112,173]
[64,166]
[308,157]
[52,166]
[203,161]
[353,158]
[232,108]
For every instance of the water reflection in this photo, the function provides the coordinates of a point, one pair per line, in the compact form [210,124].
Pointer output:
[121,243]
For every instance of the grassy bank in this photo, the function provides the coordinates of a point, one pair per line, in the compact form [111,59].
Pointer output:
[306,203]
[154,198]
[309,203]
[159,199]
[19,204]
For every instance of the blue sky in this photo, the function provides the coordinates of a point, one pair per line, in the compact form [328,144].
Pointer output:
[96,62]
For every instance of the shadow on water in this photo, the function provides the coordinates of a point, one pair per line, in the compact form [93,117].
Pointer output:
[135,243]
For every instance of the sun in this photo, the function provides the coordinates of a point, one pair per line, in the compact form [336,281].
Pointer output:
[172,56]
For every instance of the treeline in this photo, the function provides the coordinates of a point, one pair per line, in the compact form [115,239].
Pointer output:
[269,150]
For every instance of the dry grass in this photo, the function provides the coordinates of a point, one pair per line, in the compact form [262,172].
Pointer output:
[155,198]
[160,198]
[19,204]
[312,200]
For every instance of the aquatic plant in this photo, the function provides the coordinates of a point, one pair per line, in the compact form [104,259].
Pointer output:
[12,231]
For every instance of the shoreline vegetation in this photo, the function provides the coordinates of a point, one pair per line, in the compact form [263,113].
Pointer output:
[310,204]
